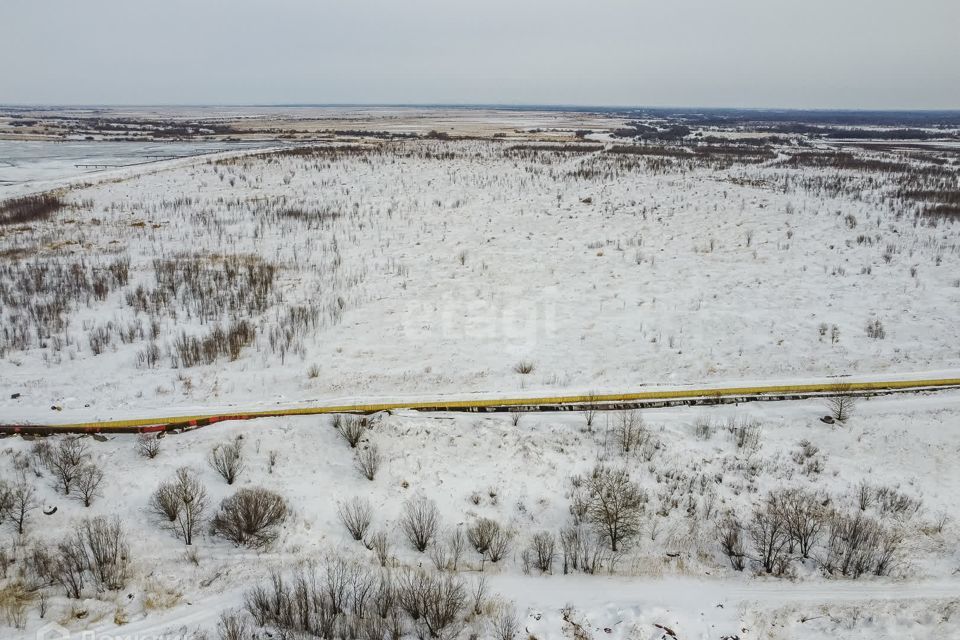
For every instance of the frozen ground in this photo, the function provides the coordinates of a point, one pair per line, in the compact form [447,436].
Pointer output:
[672,575]
[424,268]
[348,271]
[31,166]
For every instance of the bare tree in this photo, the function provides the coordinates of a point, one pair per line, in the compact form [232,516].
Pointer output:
[70,565]
[478,594]
[841,405]
[505,624]
[857,545]
[148,445]
[356,514]
[250,517]
[543,548]
[350,428]
[499,545]
[17,501]
[590,410]
[232,626]
[89,479]
[768,532]
[419,522]
[616,504]
[379,543]
[730,535]
[227,459]
[107,551]
[165,503]
[630,432]
[456,542]
[368,461]
[180,504]
[481,534]
[803,516]
[64,461]
[443,601]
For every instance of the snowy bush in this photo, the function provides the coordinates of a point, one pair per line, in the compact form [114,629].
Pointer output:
[250,517]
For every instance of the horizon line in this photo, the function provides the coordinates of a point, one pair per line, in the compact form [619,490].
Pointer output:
[479,105]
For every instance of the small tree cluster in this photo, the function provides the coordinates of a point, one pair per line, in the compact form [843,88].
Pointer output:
[96,553]
[345,599]
[790,525]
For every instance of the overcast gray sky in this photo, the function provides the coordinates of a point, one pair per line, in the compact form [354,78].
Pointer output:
[750,53]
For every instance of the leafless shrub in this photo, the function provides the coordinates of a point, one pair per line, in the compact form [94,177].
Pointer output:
[543,549]
[616,504]
[524,367]
[435,600]
[891,502]
[70,564]
[368,461]
[730,536]
[439,556]
[864,496]
[326,602]
[478,594]
[149,356]
[630,432]
[499,545]
[233,625]
[842,404]
[165,503]
[481,533]
[768,532]
[148,445]
[89,479]
[703,428]
[745,434]
[419,522]
[17,501]
[857,545]
[180,504]
[505,625]
[356,515]
[351,428]
[803,517]
[584,550]
[227,460]
[875,329]
[27,209]
[379,543]
[65,461]
[15,598]
[107,552]
[590,410]
[250,517]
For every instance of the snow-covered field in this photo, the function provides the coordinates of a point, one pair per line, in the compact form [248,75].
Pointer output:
[672,574]
[426,267]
